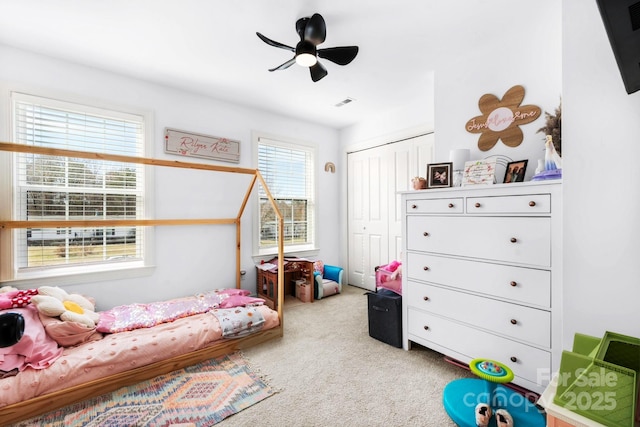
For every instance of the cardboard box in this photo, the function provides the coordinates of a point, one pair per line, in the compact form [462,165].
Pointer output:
[303,290]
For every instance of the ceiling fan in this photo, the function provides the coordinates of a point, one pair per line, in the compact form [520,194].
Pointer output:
[312,32]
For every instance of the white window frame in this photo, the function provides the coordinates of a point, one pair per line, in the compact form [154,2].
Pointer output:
[298,249]
[72,274]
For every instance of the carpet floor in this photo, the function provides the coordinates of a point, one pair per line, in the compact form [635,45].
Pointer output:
[331,373]
[198,396]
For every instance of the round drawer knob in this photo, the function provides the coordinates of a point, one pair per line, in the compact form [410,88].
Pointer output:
[532,203]
[477,205]
[414,206]
[513,284]
[514,321]
[425,268]
[513,240]
[425,298]
[425,234]
[514,359]
[450,205]
[426,328]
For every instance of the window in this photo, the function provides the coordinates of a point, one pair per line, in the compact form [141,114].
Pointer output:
[63,188]
[288,170]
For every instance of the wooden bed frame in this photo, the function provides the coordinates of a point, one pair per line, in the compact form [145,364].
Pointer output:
[42,404]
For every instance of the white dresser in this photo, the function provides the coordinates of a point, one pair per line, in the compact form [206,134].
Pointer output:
[483,275]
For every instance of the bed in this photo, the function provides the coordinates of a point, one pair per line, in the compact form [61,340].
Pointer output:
[93,367]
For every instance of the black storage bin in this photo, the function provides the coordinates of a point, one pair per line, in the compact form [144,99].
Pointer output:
[385,317]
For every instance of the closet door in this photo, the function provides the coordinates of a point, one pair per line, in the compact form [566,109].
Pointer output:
[375,176]
[368,214]
[409,159]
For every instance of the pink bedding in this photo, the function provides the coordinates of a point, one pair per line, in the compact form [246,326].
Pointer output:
[119,352]
[35,350]
[134,316]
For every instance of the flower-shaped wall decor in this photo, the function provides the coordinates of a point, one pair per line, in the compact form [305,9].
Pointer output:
[501,119]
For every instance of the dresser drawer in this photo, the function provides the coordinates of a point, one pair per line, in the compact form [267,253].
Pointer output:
[528,204]
[519,284]
[436,206]
[426,328]
[523,240]
[513,320]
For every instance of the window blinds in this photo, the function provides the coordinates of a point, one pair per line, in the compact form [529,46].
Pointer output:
[288,171]
[62,188]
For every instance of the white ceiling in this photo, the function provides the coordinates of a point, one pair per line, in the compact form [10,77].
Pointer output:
[210,47]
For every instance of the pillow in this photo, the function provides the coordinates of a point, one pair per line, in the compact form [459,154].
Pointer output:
[240,301]
[68,334]
[224,293]
[232,291]
[56,302]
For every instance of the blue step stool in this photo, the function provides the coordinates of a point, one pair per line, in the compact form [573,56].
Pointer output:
[461,396]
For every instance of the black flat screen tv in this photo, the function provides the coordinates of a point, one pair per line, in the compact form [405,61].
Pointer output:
[621,20]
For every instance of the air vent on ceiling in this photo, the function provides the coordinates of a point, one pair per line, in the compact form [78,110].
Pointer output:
[344,102]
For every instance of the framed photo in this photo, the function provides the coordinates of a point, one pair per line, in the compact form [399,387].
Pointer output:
[515,171]
[479,172]
[439,175]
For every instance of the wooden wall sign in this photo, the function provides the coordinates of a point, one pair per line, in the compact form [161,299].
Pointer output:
[203,146]
[501,119]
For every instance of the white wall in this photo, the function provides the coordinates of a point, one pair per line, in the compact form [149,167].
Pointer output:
[523,50]
[414,118]
[188,259]
[601,136]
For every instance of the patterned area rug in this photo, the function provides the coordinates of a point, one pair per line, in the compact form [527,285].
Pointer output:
[200,395]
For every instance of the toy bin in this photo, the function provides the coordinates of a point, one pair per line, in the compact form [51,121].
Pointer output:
[385,317]
[599,379]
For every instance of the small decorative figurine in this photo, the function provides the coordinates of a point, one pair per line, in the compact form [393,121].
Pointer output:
[419,183]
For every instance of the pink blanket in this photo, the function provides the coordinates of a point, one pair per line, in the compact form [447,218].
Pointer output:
[135,316]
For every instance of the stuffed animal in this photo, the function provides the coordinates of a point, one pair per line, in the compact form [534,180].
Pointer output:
[56,302]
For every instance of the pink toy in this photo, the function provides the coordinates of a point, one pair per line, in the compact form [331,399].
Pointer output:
[393,266]
[390,277]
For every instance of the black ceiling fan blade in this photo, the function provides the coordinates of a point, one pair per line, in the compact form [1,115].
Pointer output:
[316,30]
[317,71]
[284,66]
[301,24]
[340,55]
[275,43]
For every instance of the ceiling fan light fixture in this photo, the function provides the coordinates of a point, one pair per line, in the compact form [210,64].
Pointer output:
[312,31]
[306,60]
[306,54]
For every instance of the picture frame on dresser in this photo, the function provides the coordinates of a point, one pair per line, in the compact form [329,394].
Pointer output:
[439,175]
[479,172]
[515,171]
